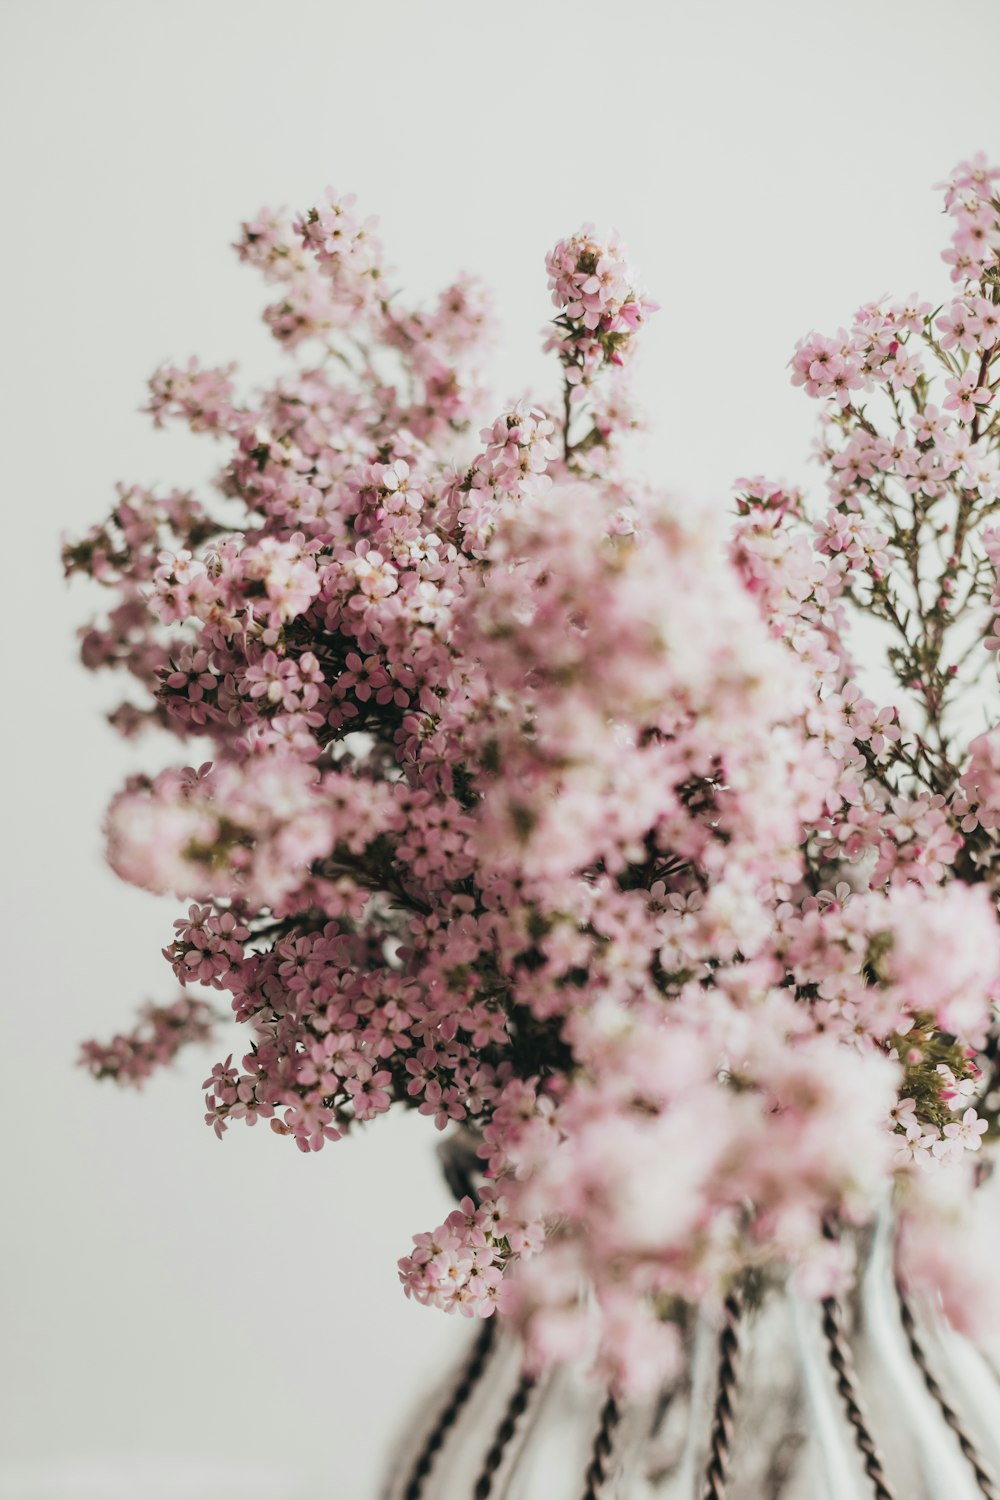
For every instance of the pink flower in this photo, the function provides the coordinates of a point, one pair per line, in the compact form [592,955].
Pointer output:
[965,395]
[968,1131]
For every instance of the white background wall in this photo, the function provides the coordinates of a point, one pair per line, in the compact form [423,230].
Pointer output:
[199,1318]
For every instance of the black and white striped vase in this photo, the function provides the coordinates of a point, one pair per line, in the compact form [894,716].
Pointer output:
[783,1399]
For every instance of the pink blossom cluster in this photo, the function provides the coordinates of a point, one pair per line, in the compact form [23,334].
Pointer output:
[459,1266]
[947,1246]
[979,798]
[161,1032]
[532,801]
[253,831]
[971,201]
[595,289]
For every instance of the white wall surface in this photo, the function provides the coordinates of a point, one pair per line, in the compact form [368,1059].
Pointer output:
[182,1318]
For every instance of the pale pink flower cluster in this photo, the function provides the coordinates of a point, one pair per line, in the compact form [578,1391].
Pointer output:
[162,1030]
[305,310]
[459,1266]
[256,830]
[541,807]
[200,396]
[947,1249]
[979,799]
[595,289]
[938,954]
[345,245]
[970,199]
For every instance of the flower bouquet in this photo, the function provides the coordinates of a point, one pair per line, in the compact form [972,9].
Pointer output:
[536,801]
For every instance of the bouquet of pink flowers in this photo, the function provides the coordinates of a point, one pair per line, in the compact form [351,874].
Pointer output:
[533,800]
